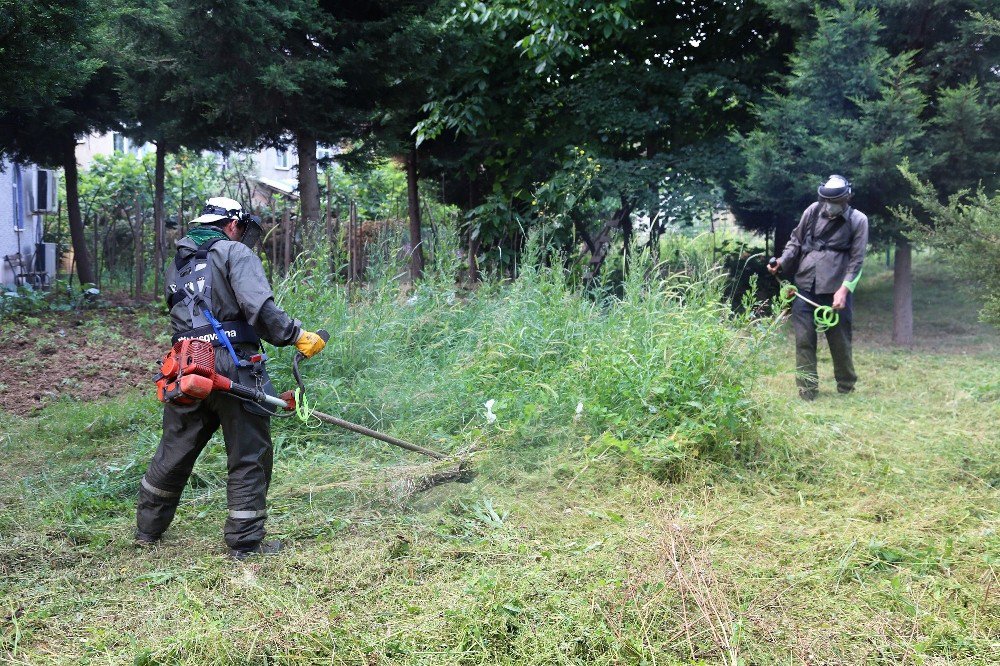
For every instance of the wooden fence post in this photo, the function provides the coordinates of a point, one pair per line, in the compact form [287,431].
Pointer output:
[286,221]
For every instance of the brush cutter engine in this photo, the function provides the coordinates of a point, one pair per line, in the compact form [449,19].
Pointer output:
[187,375]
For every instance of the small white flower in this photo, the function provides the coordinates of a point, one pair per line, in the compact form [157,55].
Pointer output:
[412,300]
[490,416]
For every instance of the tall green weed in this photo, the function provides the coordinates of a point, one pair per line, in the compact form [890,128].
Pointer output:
[661,376]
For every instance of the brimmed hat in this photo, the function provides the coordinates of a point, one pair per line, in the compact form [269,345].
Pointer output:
[219,208]
[835,187]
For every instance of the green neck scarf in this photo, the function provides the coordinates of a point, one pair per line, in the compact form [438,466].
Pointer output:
[201,235]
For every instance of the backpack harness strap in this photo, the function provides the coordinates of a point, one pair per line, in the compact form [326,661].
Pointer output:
[813,244]
[193,288]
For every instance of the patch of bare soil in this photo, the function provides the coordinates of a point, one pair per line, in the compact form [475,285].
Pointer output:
[82,354]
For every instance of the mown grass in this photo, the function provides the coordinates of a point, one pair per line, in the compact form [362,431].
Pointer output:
[859,529]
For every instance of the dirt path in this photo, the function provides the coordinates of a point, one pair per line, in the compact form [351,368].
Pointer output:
[81,355]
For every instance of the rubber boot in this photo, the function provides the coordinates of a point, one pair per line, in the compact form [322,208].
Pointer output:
[143,540]
[262,548]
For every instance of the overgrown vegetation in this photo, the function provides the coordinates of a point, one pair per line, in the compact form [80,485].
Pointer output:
[661,375]
[861,530]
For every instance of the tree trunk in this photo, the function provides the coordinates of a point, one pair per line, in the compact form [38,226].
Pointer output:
[474,244]
[308,182]
[158,211]
[140,232]
[603,243]
[627,233]
[413,205]
[331,238]
[97,254]
[84,269]
[902,294]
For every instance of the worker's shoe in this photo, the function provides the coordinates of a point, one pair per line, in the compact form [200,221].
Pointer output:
[844,390]
[262,548]
[143,540]
[808,396]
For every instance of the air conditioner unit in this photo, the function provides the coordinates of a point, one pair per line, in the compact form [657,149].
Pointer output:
[45,197]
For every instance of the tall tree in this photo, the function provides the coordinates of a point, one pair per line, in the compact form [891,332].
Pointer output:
[399,54]
[859,99]
[57,88]
[258,74]
[147,42]
[642,88]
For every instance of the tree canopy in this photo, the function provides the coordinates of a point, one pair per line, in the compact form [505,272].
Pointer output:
[574,118]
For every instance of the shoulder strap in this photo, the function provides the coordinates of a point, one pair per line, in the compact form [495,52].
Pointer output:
[200,253]
[810,230]
[188,265]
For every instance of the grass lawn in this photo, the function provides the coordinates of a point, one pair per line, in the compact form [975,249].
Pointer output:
[863,531]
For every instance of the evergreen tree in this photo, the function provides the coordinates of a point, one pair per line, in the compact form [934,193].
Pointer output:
[858,100]
[259,74]
[389,54]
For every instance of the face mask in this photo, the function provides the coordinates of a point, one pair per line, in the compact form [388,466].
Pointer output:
[831,209]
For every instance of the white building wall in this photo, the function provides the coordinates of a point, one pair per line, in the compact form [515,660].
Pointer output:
[93,145]
[11,240]
[278,165]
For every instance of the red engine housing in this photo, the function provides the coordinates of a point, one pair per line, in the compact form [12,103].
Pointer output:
[187,373]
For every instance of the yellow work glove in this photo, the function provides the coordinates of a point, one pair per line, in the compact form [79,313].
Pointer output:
[309,343]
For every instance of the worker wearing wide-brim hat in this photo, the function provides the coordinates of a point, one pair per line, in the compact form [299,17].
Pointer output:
[217,290]
[825,254]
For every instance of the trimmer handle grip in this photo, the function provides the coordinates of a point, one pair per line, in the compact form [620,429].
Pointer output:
[323,334]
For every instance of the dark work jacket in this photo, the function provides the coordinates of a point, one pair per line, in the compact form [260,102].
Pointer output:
[240,290]
[823,271]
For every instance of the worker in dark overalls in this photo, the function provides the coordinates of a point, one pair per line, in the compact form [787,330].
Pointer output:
[825,254]
[216,287]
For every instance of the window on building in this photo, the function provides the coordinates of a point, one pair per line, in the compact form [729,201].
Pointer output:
[282,162]
[119,142]
[324,152]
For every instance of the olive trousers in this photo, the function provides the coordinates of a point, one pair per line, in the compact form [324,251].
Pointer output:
[838,338]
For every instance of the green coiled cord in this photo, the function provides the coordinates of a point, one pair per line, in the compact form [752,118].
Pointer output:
[824,316]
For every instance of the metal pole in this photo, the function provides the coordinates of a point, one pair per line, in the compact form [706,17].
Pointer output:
[368,432]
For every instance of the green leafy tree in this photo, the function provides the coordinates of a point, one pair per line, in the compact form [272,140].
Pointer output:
[646,89]
[56,88]
[259,74]
[148,43]
[389,54]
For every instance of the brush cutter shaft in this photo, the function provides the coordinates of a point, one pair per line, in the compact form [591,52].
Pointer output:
[368,432]
[188,374]
[252,394]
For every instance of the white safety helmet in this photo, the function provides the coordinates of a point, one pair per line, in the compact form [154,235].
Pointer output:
[836,187]
[219,208]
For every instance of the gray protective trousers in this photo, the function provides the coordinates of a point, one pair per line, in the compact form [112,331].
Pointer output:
[838,337]
[186,431]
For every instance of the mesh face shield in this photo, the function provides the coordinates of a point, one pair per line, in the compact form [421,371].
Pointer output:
[252,230]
